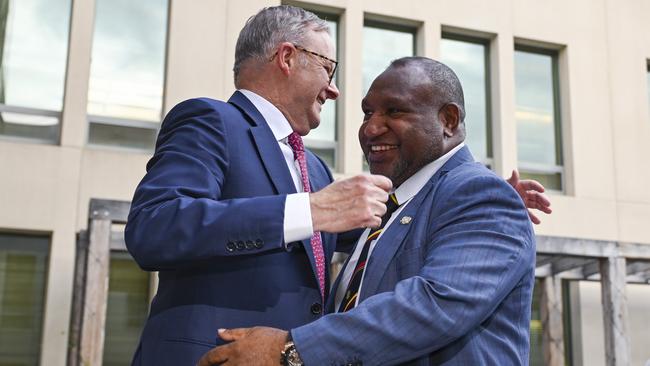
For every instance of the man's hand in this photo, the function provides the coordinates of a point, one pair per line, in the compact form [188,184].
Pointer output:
[532,193]
[248,346]
[351,203]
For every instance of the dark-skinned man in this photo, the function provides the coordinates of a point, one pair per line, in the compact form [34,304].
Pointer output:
[448,278]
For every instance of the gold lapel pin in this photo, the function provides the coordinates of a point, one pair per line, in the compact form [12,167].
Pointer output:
[405,220]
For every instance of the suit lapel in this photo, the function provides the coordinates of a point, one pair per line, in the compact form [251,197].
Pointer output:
[267,145]
[393,238]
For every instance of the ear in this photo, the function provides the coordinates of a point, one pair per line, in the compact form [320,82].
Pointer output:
[449,116]
[286,57]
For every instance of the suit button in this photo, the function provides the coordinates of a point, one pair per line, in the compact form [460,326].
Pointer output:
[316,308]
[259,243]
[241,245]
[250,245]
[230,247]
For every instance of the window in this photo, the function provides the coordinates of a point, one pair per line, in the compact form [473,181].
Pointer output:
[383,43]
[322,140]
[126,309]
[33,56]
[537,113]
[469,58]
[536,331]
[126,73]
[23,272]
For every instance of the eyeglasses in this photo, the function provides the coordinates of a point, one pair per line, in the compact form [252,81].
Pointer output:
[329,73]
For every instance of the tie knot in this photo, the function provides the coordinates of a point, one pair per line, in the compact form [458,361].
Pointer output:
[295,141]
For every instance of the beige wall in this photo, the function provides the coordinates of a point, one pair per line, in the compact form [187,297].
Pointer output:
[603,46]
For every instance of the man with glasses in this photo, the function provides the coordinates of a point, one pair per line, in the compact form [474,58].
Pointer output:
[235,214]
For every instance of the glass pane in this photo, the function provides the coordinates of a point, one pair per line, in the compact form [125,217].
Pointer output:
[326,131]
[23,271]
[535,108]
[467,59]
[380,47]
[33,55]
[536,334]
[132,137]
[128,57]
[127,308]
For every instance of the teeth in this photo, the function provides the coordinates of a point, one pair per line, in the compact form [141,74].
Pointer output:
[382,147]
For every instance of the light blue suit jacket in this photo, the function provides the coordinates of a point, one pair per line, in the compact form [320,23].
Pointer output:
[452,287]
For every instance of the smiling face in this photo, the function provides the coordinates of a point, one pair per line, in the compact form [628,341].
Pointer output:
[401,130]
[310,87]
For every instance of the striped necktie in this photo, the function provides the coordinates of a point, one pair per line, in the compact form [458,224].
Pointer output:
[352,291]
[295,141]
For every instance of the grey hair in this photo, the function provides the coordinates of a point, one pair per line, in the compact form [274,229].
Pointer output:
[442,79]
[270,27]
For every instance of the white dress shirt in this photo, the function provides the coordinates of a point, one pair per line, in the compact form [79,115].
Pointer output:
[403,193]
[297,212]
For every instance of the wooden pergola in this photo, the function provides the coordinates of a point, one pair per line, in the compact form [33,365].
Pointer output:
[614,264]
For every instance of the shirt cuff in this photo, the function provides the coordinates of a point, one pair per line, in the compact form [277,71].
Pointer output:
[297,218]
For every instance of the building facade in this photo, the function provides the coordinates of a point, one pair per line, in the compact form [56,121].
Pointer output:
[559,90]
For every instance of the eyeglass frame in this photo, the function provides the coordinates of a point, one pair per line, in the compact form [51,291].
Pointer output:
[303,49]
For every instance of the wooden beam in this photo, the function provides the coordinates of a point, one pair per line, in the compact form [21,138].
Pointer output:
[552,325]
[615,317]
[95,293]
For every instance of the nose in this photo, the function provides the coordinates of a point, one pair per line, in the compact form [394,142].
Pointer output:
[374,126]
[332,91]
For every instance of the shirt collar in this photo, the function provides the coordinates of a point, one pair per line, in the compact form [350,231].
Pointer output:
[274,118]
[414,183]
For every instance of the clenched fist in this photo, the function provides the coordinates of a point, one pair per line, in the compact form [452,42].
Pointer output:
[351,203]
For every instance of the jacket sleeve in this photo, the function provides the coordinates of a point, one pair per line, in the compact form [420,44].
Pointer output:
[479,246]
[177,215]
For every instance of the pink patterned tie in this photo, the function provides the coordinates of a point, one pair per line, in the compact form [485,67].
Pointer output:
[295,141]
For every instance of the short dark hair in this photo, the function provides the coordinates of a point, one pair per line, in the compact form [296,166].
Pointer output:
[445,83]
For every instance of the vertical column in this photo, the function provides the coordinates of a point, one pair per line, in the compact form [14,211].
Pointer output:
[504,127]
[615,318]
[95,290]
[351,76]
[551,312]
[74,125]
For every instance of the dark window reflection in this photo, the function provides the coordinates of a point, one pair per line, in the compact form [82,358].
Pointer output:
[23,274]
[127,308]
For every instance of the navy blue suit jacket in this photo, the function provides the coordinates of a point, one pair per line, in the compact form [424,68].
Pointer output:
[208,215]
[451,287]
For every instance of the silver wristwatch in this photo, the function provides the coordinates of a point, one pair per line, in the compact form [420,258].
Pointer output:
[290,356]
